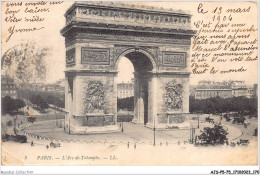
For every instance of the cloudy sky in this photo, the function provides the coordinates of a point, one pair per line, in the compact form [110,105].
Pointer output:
[55,21]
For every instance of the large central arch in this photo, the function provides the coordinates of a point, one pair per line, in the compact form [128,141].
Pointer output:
[144,65]
[156,41]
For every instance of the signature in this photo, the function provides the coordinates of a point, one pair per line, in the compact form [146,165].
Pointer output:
[13,30]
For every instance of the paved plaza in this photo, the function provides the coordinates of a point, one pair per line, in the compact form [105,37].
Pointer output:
[45,127]
[133,133]
[116,145]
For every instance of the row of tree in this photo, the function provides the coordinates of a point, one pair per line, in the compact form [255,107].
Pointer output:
[221,105]
[10,105]
[211,105]
[40,103]
[49,97]
[125,103]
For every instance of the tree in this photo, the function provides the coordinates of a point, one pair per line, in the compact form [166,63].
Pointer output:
[215,135]
[125,103]
[9,104]
[217,104]
[25,62]
[6,104]
[39,102]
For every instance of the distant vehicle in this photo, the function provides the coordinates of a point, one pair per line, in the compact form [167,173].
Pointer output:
[246,124]
[208,119]
[54,145]
[31,119]
[232,114]
[228,118]
[243,142]
[239,120]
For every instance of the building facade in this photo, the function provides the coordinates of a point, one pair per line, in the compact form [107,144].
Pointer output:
[56,87]
[125,90]
[8,87]
[225,89]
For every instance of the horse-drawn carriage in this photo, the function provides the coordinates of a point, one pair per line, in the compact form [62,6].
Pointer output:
[227,117]
[210,120]
[31,119]
[239,119]
[54,145]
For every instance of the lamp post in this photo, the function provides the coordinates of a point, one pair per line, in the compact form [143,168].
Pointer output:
[64,121]
[69,125]
[220,117]
[56,118]
[198,120]
[198,114]
[154,131]
[122,129]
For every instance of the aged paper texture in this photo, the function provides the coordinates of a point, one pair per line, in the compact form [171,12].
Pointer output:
[129,83]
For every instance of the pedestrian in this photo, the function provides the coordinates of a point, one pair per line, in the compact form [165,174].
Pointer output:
[32,143]
[166,143]
[227,142]
[245,125]
[135,146]
[160,143]
[47,147]
[127,144]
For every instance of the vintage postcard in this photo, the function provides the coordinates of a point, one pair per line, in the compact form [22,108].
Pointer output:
[129,83]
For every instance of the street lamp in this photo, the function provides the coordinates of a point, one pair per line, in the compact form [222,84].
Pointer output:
[154,131]
[56,118]
[220,117]
[197,102]
[69,125]
[198,120]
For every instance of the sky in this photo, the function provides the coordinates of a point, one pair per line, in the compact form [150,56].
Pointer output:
[125,70]
[50,36]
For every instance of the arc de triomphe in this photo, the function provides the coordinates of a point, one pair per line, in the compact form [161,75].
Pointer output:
[157,42]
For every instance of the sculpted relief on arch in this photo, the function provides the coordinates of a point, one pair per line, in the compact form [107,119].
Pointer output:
[173,99]
[95,97]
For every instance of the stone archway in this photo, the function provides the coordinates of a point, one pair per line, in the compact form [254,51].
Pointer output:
[144,65]
[157,41]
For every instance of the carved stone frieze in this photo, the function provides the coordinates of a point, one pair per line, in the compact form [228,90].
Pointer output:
[95,56]
[70,17]
[70,57]
[128,37]
[174,59]
[123,14]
